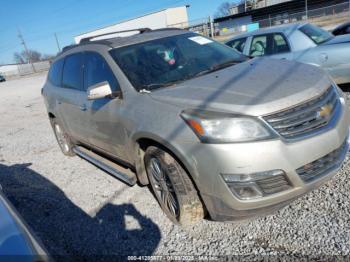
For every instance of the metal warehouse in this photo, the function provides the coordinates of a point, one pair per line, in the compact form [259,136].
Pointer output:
[159,19]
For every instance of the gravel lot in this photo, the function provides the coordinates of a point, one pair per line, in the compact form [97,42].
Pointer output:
[77,209]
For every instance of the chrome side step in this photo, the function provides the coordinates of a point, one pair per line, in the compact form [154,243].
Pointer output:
[112,168]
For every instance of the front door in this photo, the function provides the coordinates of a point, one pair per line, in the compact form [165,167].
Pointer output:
[106,129]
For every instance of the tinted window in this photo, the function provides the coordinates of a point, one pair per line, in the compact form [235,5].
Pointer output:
[279,44]
[166,61]
[315,33]
[97,71]
[72,72]
[258,46]
[238,44]
[55,73]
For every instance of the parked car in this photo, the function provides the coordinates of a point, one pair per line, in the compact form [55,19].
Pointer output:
[2,78]
[342,29]
[208,129]
[16,239]
[305,43]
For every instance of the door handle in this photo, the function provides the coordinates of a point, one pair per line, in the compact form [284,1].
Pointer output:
[83,107]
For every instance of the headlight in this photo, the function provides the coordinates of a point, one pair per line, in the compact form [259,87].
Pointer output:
[224,128]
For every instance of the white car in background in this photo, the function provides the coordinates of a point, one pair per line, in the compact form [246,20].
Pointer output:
[305,43]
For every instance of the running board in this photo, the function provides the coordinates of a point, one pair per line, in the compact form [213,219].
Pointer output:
[112,168]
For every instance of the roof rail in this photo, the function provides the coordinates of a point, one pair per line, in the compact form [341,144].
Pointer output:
[66,48]
[141,30]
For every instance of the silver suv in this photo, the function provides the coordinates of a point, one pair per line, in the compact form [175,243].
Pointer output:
[208,129]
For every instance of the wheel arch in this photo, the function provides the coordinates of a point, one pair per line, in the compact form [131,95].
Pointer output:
[144,140]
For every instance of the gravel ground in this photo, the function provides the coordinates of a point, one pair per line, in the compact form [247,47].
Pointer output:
[77,209]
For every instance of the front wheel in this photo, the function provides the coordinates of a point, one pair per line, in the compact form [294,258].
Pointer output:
[173,188]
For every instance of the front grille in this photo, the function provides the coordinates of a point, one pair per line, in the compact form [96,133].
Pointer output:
[323,165]
[306,118]
[273,184]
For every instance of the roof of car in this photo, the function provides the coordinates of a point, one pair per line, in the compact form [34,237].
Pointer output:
[115,42]
[287,29]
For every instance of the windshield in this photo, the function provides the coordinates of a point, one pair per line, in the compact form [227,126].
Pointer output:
[167,61]
[316,34]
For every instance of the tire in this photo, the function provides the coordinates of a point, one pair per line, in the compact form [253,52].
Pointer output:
[62,138]
[173,188]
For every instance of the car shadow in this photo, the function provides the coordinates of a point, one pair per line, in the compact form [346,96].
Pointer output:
[67,232]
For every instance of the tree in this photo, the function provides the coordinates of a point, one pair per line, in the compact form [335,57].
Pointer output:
[24,57]
[224,8]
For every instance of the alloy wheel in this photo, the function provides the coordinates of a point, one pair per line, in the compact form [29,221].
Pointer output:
[163,187]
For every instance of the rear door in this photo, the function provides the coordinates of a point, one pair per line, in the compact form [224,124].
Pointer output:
[107,130]
[73,98]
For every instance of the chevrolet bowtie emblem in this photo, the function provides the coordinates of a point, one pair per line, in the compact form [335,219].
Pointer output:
[325,111]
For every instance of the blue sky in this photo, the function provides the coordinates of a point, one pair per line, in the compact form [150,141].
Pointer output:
[38,20]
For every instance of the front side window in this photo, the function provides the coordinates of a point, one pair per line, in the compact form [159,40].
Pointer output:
[72,72]
[316,34]
[55,73]
[269,44]
[258,46]
[96,70]
[166,61]
[238,44]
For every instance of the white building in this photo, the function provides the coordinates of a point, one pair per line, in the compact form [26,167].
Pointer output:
[164,18]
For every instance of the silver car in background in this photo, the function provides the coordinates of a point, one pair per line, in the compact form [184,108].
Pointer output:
[304,43]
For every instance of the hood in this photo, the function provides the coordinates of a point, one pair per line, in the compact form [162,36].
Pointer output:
[256,87]
[340,39]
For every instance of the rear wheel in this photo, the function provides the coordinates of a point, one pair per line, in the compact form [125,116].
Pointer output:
[62,138]
[173,188]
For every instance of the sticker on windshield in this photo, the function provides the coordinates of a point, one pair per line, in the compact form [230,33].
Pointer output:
[200,40]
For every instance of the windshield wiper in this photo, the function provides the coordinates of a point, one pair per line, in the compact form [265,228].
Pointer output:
[159,85]
[212,69]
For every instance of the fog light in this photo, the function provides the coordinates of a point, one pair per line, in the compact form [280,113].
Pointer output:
[246,190]
[256,185]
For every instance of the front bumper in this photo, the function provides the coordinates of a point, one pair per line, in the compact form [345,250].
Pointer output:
[212,160]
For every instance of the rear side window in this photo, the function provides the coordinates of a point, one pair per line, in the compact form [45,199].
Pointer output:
[315,33]
[238,44]
[55,73]
[97,70]
[72,72]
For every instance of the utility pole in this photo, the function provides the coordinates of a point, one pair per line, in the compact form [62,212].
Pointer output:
[211,21]
[58,44]
[306,10]
[25,48]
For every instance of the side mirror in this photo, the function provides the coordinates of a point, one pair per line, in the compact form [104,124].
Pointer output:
[101,90]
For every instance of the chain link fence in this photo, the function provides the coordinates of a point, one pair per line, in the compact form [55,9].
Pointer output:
[201,26]
[326,17]
[14,71]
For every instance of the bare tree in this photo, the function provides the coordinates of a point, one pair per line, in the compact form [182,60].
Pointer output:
[224,8]
[24,57]
[18,58]
[47,57]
